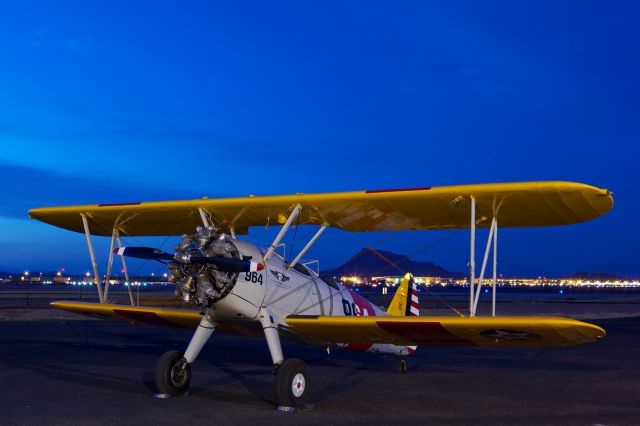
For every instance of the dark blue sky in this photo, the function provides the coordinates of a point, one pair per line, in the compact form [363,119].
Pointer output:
[128,101]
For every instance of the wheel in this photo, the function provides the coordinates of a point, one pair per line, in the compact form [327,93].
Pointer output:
[292,383]
[402,366]
[173,374]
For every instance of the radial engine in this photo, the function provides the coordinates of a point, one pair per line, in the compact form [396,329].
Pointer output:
[204,283]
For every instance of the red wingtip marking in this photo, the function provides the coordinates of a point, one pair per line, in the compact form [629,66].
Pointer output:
[260,266]
[359,346]
[144,317]
[375,191]
[119,204]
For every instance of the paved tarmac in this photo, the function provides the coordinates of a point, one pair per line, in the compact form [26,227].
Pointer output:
[94,372]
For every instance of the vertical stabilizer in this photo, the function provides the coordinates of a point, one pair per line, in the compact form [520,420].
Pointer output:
[405,301]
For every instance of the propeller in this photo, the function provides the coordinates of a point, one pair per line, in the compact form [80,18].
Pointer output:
[222,263]
[147,253]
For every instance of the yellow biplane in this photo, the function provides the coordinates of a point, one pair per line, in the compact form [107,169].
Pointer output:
[234,285]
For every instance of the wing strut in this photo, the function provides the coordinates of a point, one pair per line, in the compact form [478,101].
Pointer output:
[92,254]
[307,247]
[115,237]
[474,292]
[109,264]
[126,274]
[283,231]
[472,255]
[276,242]
[203,216]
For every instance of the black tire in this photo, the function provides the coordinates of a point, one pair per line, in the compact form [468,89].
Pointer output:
[173,374]
[292,384]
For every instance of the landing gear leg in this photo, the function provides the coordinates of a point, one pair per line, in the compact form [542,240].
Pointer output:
[292,381]
[402,365]
[173,369]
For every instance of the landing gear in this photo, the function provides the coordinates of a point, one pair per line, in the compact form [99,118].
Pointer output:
[173,374]
[173,369]
[402,366]
[292,384]
[292,380]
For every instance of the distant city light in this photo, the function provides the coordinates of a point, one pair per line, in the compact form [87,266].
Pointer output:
[375,282]
[352,279]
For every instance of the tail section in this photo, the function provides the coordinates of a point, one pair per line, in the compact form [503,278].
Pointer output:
[405,302]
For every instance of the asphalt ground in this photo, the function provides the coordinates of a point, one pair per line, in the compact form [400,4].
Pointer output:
[94,372]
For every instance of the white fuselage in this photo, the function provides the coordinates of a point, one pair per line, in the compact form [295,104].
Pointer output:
[296,291]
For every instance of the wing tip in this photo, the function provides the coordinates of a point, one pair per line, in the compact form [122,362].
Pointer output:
[592,332]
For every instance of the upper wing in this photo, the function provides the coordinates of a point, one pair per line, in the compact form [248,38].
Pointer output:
[446,207]
[446,331]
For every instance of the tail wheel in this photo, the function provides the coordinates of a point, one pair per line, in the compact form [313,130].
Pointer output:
[292,383]
[173,374]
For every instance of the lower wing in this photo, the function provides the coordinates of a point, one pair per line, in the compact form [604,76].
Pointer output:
[446,331]
[423,331]
[158,316]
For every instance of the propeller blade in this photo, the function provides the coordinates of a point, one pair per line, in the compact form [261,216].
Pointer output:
[224,264]
[143,253]
[227,264]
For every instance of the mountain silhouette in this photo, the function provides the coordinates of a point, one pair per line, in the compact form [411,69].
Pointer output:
[369,263]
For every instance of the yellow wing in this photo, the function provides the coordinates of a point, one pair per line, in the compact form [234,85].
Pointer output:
[446,331]
[157,316]
[446,207]
[423,331]
[138,314]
